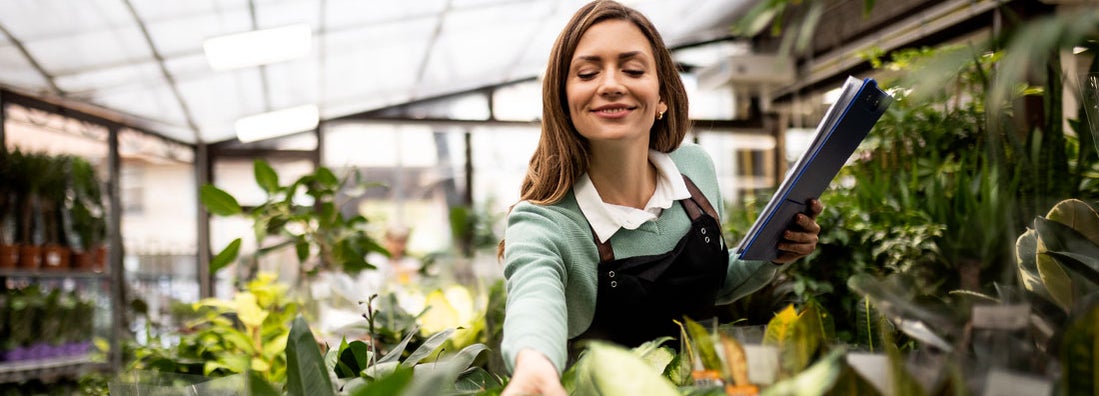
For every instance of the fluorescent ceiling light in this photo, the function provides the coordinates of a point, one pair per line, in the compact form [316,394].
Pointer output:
[258,47]
[277,123]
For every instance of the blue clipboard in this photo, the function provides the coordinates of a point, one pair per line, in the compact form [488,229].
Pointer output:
[844,126]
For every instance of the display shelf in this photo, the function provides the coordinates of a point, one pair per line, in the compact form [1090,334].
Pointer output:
[73,273]
[46,368]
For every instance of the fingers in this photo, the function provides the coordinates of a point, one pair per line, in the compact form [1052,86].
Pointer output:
[815,207]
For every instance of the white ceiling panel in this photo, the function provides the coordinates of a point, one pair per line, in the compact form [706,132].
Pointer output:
[96,49]
[185,35]
[222,97]
[356,14]
[150,101]
[49,19]
[15,71]
[155,11]
[272,14]
[126,74]
[366,55]
[293,83]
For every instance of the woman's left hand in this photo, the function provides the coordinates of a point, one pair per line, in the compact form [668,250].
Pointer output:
[801,238]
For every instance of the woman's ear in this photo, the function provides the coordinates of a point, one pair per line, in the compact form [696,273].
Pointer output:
[661,107]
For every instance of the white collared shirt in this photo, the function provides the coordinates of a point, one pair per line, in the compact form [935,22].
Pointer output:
[606,219]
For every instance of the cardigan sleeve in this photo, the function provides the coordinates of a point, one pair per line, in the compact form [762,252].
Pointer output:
[536,314]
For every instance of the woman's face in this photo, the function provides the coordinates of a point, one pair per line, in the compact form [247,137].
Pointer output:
[612,87]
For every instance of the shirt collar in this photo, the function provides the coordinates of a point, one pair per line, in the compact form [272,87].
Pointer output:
[606,219]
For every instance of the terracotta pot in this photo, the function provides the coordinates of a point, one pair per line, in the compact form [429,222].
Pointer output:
[9,256]
[82,261]
[30,257]
[55,257]
[99,258]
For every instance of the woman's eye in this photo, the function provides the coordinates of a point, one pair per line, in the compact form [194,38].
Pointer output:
[635,73]
[586,75]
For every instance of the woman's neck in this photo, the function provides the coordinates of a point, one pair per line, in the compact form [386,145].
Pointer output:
[622,176]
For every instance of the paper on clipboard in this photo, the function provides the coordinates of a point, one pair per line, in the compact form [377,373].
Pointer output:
[861,103]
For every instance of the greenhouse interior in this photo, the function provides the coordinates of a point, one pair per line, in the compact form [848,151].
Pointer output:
[311,197]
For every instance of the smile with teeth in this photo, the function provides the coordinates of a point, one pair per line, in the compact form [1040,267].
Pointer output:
[613,110]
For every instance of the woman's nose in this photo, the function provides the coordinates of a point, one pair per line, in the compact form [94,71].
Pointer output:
[610,84]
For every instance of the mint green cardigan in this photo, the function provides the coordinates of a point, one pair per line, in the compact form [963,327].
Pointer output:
[550,262]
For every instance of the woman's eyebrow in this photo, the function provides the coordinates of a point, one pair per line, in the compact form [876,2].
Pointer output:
[622,56]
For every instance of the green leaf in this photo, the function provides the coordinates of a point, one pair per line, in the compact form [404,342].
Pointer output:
[867,329]
[393,384]
[1078,353]
[257,386]
[476,381]
[1026,253]
[219,202]
[301,247]
[225,257]
[611,370]
[1079,216]
[1086,267]
[398,350]
[1056,236]
[780,327]
[306,373]
[430,345]
[326,178]
[815,380]
[352,359]
[266,177]
[703,343]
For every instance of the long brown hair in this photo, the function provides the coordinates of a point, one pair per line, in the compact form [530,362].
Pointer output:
[562,154]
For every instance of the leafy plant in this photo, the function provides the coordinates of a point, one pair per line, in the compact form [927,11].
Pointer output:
[322,237]
[246,334]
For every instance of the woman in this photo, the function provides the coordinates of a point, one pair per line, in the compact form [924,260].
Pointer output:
[616,232]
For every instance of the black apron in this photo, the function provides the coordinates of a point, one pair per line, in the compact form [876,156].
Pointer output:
[638,297]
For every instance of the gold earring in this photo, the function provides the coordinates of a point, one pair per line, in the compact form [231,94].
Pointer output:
[660,115]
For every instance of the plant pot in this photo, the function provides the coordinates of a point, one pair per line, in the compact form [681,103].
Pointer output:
[30,257]
[83,261]
[9,256]
[99,258]
[55,257]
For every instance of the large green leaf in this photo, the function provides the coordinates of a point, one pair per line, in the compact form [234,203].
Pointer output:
[225,257]
[393,384]
[430,345]
[266,177]
[1079,354]
[1085,266]
[1079,216]
[815,380]
[306,373]
[703,343]
[353,358]
[868,325]
[218,201]
[610,370]
[1055,236]
[398,350]
[257,386]
[477,381]
[1026,254]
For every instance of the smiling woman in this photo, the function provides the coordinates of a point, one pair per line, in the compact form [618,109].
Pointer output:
[617,231]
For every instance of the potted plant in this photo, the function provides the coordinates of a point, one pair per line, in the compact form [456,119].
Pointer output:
[86,212]
[30,232]
[53,190]
[9,253]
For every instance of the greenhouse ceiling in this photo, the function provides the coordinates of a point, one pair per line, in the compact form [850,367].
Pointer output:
[154,60]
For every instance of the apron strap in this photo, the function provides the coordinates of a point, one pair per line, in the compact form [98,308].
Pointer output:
[699,201]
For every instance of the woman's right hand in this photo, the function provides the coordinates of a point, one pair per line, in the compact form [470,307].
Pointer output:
[534,375]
